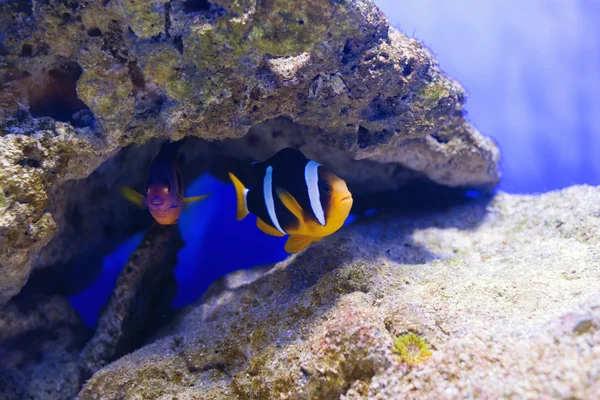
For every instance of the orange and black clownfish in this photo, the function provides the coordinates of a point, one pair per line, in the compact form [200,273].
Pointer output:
[164,187]
[294,196]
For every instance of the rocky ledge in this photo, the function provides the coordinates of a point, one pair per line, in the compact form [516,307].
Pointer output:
[506,292]
[81,80]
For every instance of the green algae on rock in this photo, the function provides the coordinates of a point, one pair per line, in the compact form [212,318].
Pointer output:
[411,348]
[480,282]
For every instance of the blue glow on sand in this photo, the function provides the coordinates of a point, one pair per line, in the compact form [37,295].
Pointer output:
[472,194]
[350,220]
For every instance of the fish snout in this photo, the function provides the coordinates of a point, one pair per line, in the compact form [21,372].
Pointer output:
[346,197]
[157,201]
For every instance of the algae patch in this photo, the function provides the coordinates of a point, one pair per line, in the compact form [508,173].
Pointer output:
[411,348]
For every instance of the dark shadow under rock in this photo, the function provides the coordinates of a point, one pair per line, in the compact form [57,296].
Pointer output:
[40,338]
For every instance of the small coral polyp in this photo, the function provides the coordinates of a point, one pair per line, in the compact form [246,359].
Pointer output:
[411,348]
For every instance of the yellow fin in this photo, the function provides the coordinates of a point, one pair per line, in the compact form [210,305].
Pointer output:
[269,230]
[190,200]
[297,242]
[132,196]
[291,204]
[240,192]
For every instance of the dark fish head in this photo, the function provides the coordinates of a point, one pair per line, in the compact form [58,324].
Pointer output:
[163,202]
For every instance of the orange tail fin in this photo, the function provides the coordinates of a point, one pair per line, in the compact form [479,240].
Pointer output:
[240,192]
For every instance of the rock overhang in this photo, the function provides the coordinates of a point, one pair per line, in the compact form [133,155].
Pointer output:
[129,71]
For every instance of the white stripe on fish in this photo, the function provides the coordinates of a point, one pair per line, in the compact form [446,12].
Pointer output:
[311,176]
[268,193]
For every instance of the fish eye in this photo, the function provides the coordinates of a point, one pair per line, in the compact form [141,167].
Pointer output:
[326,188]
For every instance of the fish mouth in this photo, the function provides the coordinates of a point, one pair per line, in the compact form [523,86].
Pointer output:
[346,198]
[160,210]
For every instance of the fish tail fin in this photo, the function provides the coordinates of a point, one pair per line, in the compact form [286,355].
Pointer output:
[131,195]
[190,200]
[241,192]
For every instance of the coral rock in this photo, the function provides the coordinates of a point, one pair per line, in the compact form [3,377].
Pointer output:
[498,289]
[39,341]
[112,73]
[134,308]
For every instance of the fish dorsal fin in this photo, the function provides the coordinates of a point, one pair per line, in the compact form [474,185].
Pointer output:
[190,200]
[269,230]
[297,243]
[131,195]
[291,204]
[287,156]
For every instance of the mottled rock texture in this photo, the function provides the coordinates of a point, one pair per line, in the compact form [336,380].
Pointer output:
[34,155]
[39,341]
[79,80]
[144,290]
[506,292]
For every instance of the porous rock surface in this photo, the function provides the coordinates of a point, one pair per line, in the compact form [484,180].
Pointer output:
[144,290]
[33,156]
[506,292]
[40,338]
[79,80]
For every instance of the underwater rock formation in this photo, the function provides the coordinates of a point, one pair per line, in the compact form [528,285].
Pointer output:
[146,284]
[80,80]
[33,156]
[506,292]
[39,341]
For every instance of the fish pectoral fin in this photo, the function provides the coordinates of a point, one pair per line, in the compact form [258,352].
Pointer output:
[131,195]
[268,229]
[291,203]
[240,192]
[190,200]
[297,243]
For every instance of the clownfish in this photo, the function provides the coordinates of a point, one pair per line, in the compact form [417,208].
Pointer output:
[164,188]
[294,196]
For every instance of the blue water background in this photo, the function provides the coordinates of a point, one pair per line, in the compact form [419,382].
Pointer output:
[532,68]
